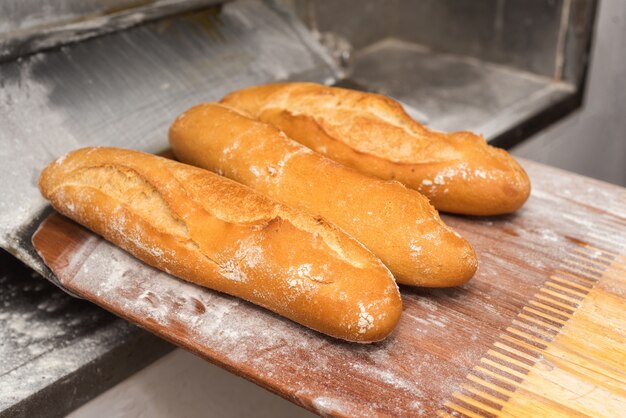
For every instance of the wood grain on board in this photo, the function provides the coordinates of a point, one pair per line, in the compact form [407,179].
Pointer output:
[539,331]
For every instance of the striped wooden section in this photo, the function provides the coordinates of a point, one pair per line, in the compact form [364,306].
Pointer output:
[565,352]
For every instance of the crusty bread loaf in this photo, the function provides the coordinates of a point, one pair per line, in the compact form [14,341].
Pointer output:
[220,234]
[397,224]
[457,171]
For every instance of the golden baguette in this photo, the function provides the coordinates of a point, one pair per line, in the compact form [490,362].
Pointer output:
[457,171]
[397,224]
[220,234]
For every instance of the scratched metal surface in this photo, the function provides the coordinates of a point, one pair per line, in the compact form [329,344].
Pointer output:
[124,89]
[28,26]
[455,92]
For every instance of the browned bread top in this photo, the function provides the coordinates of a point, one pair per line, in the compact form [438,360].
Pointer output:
[397,224]
[220,234]
[458,171]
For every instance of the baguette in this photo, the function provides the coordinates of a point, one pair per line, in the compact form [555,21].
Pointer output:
[457,171]
[397,224]
[214,232]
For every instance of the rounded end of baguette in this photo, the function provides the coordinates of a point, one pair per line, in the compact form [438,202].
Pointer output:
[337,287]
[486,181]
[458,263]
[48,175]
[374,318]
[445,261]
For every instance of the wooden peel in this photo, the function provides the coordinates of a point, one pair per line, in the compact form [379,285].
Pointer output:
[539,331]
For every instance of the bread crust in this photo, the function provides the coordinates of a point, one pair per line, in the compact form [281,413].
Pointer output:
[212,231]
[459,172]
[397,224]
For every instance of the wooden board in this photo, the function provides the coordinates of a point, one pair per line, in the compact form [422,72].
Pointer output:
[540,330]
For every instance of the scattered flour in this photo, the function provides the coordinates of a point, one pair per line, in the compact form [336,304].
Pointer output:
[229,149]
[304,270]
[579,220]
[366,321]
[439,179]
[253,256]
[61,159]
[232,271]
[416,250]
[388,377]
[327,406]
[418,406]
[549,235]
[276,171]
[595,254]
[428,304]
[256,171]
[480,173]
